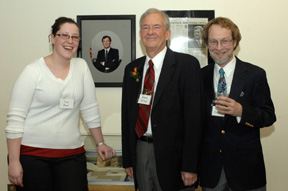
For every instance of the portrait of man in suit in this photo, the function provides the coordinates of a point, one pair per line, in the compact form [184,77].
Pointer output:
[238,104]
[108,58]
[161,112]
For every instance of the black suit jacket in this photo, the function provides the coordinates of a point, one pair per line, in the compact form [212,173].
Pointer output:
[175,118]
[237,147]
[112,60]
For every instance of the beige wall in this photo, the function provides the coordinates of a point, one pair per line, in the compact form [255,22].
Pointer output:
[25,26]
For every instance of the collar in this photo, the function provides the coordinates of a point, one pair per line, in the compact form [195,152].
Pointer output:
[157,60]
[228,68]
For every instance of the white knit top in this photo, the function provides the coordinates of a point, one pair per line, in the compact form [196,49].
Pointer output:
[34,113]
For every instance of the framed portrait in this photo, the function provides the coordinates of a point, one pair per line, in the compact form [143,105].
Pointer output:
[108,45]
[186,31]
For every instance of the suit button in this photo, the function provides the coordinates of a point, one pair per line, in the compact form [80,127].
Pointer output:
[220,151]
[223,131]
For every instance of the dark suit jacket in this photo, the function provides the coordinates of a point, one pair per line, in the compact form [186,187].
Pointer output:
[237,147]
[112,60]
[175,118]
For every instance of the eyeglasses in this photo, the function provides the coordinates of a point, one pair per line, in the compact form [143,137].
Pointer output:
[67,37]
[223,42]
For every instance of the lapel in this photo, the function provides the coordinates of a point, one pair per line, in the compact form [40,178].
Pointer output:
[237,84]
[209,83]
[165,75]
[110,51]
[140,67]
[238,80]
[103,52]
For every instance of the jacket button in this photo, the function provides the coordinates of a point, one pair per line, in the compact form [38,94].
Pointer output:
[220,151]
[223,131]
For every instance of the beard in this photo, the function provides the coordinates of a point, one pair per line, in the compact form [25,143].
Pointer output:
[219,62]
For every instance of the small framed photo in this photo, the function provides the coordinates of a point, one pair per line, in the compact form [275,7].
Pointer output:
[108,45]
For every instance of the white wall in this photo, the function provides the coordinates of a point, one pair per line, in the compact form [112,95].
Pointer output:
[25,26]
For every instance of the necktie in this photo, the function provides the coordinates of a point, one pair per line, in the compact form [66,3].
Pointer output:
[144,111]
[106,55]
[222,88]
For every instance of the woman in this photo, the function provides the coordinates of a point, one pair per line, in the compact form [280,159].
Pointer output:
[45,148]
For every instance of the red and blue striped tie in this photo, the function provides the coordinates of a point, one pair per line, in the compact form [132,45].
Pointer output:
[144,111]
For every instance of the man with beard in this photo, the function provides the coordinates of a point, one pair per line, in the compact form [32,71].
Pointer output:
[238,104]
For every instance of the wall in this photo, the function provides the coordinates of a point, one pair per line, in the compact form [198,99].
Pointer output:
[25,26]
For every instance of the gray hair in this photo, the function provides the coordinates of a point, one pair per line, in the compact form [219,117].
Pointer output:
[154,10]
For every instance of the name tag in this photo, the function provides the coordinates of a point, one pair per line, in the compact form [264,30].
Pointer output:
[66,104]
[215,112]
[144,99]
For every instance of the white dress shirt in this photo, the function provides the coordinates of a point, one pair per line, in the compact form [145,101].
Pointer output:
[158,63]
[229,70]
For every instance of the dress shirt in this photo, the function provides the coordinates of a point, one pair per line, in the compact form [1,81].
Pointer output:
[158,63]
[106,50]
[229,73]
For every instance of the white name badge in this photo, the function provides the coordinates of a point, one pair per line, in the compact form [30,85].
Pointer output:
[66,104]
[215,112]
[144,99]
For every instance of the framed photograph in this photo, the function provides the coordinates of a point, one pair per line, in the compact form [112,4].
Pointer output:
[108,45]
[186,31]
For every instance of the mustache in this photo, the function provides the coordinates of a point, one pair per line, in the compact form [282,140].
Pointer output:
[219,51]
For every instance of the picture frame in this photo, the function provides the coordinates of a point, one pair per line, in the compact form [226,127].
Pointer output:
[185,25]
[121,30]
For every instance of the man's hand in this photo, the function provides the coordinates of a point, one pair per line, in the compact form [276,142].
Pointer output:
[188,178]
[129,172]
[226,105]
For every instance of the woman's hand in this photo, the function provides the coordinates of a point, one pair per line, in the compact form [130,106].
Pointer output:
[15,173]
[105,152]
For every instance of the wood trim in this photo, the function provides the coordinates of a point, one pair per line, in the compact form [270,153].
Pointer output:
[111,187]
